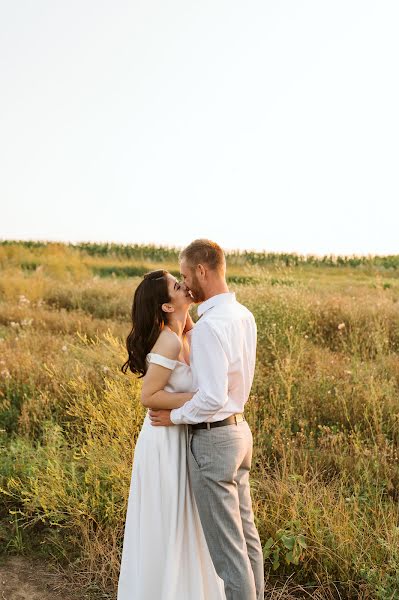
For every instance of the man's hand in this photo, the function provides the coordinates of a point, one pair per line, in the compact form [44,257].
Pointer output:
[160,417]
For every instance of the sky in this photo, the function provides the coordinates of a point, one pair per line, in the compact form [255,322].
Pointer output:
[261,125]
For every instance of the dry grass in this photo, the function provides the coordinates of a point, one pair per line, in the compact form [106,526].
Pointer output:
[324,412]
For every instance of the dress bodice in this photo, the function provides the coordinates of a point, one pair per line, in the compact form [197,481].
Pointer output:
[181,378]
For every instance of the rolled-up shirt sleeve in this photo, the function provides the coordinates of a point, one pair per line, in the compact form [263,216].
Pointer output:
[211,374]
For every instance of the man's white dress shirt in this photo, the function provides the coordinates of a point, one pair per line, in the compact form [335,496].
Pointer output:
[222,358]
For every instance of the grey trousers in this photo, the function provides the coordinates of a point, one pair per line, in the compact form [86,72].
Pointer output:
[219,461]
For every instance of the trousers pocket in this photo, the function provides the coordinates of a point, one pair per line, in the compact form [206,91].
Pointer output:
[196,458]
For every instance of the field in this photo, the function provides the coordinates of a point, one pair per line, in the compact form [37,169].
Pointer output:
[324,412]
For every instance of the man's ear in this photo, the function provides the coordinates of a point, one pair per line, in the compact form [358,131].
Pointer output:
[168,308]
[201,271]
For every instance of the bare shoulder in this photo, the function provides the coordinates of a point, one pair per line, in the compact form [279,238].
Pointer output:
[168,344]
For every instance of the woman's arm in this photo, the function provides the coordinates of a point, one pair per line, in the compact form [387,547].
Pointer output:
[157,376]
[161,399]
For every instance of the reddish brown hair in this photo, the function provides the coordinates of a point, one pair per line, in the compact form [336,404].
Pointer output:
[204,252]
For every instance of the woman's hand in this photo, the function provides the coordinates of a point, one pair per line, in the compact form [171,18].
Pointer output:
[160,418]
[189,323]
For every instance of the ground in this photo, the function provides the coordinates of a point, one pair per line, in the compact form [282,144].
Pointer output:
[25,579]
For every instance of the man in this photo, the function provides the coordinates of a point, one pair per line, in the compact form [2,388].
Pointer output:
[223,352]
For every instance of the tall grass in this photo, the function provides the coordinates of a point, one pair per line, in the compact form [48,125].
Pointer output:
[324,412]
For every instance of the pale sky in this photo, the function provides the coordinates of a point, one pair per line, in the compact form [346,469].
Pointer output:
[262,125]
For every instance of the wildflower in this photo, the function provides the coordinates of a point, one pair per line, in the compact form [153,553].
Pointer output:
[64,348]
[5,373]
[348,372]
[106,369]
[14,324]
[341,326]
[26,322]
[24,300]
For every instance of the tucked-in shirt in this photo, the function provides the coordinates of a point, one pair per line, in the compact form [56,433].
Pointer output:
[222,358]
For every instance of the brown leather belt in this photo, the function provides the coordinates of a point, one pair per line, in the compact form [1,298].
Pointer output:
[237,418]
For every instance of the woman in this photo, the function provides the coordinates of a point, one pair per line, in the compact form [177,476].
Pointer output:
[165,555]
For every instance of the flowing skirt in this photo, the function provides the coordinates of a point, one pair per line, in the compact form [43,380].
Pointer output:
[165,555]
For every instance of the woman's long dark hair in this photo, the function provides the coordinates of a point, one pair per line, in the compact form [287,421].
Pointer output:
[148,319]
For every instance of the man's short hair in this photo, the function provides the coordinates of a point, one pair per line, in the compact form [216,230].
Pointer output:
[204,252]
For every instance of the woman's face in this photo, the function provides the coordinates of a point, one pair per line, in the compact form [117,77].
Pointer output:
[179,294]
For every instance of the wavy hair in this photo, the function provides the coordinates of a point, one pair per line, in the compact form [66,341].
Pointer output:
[148,320]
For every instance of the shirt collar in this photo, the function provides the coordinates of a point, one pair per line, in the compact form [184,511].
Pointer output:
[226,297]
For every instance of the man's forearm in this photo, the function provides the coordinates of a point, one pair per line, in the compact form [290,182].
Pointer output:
[210,367]
[197,410]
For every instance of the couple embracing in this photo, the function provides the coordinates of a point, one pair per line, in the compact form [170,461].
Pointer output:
[189,530]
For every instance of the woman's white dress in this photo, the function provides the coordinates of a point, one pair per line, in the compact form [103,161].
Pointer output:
[165,555]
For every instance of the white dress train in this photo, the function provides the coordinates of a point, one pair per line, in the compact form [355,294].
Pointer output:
[165,555]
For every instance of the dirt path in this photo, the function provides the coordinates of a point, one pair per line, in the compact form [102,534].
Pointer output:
[24,579]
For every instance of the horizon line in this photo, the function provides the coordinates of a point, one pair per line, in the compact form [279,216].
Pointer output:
[178,247]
